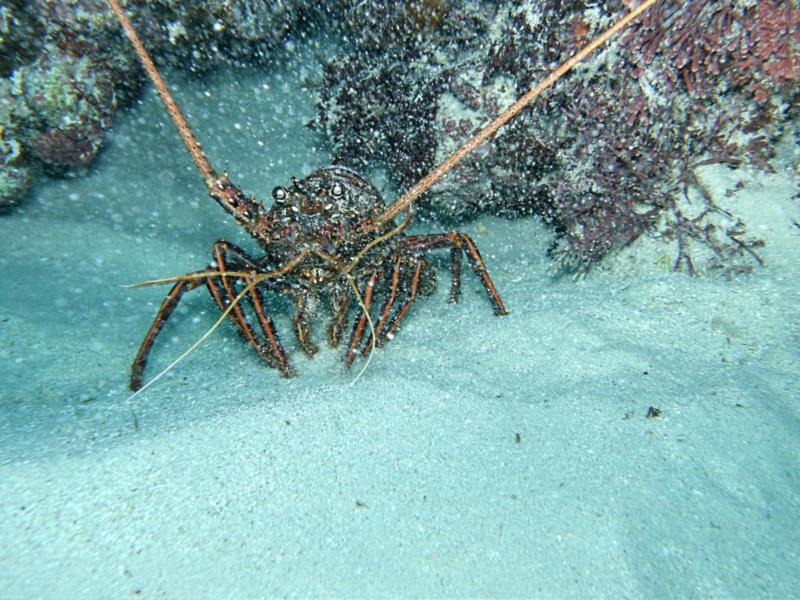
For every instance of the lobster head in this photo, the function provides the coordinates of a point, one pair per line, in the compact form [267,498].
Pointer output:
[328,208]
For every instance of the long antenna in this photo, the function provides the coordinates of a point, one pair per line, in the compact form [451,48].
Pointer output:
[192,145]
[424,184]
[220,188]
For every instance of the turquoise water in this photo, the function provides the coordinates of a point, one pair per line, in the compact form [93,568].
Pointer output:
[476,455]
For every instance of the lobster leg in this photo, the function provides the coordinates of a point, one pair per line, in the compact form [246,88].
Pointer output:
[389,303]
[304,311]
[403,311]
[361,323]
[455,270]
[268,328]
[224,293]
[457,242]
[164,313]
[340,303]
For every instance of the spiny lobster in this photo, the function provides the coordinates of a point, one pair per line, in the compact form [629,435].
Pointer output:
[327,238]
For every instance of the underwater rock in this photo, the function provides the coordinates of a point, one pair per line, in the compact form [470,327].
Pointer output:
[15,181]
[605,155]
[367,127]
[66,103]
[72,147]
[201,35]
[20,34]
[377,104]
[15,176]
[383,25]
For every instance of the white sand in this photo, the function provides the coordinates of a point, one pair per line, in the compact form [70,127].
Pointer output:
[226,481]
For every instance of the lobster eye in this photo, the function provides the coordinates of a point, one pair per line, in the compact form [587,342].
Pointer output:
[280,194]
[337,190]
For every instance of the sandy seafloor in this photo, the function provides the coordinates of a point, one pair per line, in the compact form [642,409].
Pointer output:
[224,480]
